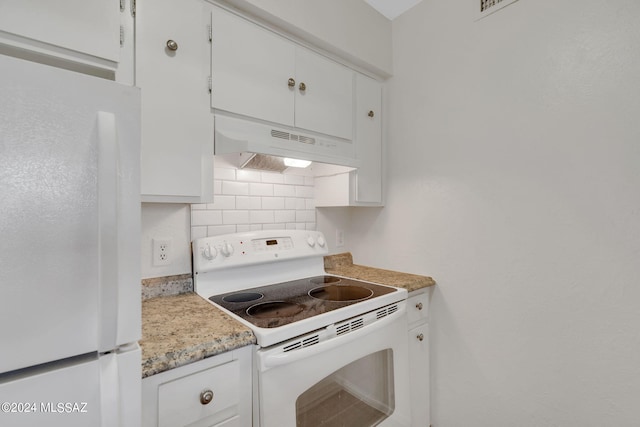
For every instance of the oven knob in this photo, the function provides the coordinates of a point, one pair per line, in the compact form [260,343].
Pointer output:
[209,253]
[321,241]
[311,241]
[227,249]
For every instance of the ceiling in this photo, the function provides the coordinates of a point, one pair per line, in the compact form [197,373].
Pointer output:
[392,8]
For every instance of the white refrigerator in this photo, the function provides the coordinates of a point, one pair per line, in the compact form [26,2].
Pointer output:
[69,248]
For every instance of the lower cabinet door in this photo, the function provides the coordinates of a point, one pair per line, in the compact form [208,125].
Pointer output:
[419,368]
[209,397]
[232,422]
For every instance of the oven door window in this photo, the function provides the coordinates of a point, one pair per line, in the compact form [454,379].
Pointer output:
[357,395]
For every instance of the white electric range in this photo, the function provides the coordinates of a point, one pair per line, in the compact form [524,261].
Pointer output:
[328,329]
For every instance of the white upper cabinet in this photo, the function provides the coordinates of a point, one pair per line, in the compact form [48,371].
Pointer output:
[361,187]
[368,178]
[86,31]
[172,69]
[324,95]
[259,74]
[251,67]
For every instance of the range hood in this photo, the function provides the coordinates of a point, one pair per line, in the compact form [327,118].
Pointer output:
[249,138]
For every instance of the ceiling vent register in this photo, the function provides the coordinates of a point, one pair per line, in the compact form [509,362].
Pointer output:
[486,4]
[487,7]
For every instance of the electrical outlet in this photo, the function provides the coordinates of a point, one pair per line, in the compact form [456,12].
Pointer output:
[339,238]
[161,252]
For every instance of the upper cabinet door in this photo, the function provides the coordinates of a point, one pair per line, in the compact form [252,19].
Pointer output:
[251,68]
[324,95]
[368,140]
[257,73]
[172,69]
[91,27]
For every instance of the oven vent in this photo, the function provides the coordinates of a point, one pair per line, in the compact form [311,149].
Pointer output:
[387,311]
[350,326]
[306,342]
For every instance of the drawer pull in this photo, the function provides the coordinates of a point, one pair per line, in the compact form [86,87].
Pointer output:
[419,306]
[420,337]
[172,45]
[206,397]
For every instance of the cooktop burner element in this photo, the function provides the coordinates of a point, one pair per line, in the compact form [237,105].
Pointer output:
[274,309]
[325,279]
[274,282]
[289,302]
[341,293]
[243,297]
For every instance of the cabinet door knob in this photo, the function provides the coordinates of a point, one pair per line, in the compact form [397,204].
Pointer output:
[419,306]
[302,87]
[206,397]
[291,82]
[371,113]
[172,45]
[420,337]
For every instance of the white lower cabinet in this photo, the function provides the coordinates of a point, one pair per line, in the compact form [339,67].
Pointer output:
[213,392]
[418,316]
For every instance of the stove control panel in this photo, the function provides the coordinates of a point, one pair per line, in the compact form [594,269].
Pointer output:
[257,247]
[272,244]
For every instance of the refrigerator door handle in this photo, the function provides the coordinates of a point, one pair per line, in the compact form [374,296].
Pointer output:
[108,200]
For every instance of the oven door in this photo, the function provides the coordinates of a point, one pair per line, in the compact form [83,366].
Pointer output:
[355,379]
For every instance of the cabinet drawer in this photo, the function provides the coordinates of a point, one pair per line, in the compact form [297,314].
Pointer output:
[418,308]
[179,400]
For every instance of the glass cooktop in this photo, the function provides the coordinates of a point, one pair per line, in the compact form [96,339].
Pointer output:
[283,303]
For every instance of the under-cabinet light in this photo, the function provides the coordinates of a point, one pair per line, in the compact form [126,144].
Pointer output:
[296,163]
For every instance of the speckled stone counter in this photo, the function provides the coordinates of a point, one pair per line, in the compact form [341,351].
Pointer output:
[184,328]
[181,329]
[342,265]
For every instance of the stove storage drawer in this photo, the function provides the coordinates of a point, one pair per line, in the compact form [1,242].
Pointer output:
[418,307]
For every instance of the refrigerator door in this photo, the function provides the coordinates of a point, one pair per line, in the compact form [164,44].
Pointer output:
[69,214]
[97,392]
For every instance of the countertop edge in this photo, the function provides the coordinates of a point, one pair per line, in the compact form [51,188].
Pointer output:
[342,265]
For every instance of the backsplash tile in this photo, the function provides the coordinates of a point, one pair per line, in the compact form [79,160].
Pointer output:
[249,200]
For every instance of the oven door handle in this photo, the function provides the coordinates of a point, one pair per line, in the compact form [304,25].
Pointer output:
[269,361]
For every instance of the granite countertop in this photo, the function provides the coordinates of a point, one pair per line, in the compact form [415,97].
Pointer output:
[342,265]
[178,329]
[181,329]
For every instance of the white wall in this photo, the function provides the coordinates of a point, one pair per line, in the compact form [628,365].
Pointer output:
[166,221]
[514,180]
[349,28]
